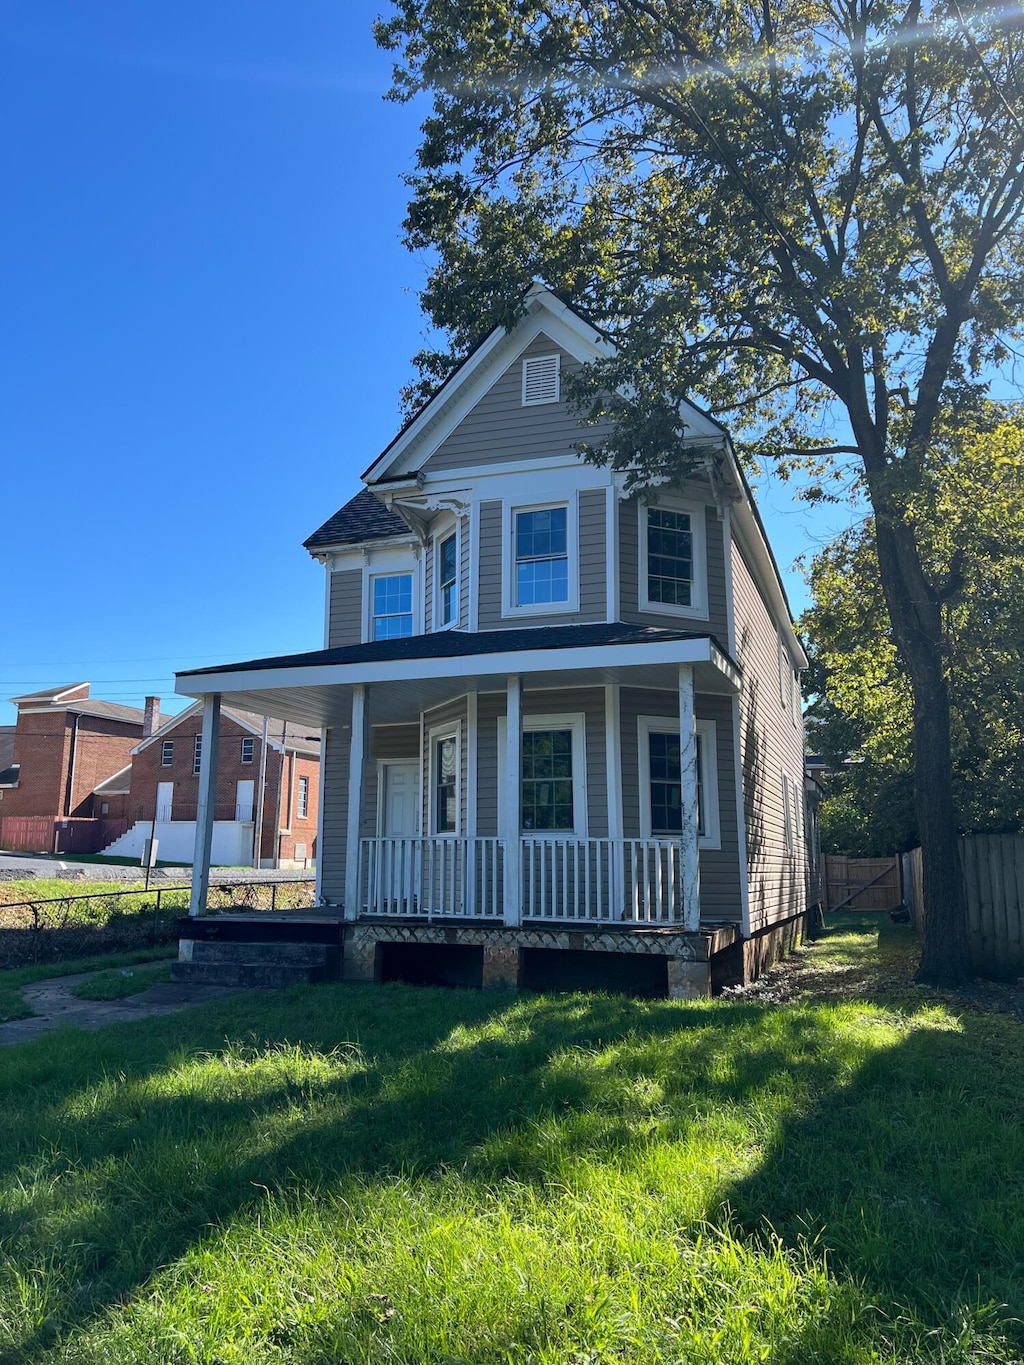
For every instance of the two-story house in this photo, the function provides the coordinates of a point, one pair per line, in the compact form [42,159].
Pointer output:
[561,723]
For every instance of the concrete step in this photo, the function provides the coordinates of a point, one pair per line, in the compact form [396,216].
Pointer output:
[285,954]
[248,975]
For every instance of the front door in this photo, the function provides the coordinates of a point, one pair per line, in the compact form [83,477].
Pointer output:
[396,863]
[399,809]
[164,800]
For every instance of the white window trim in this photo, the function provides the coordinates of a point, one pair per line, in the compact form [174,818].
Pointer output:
[450,730]
[536,360]
[707,731]
[698,608]
[509,607]
[788,830]
[251,741]
[197,754]
[576,721]
[380,570]
[167,762]
[451,528]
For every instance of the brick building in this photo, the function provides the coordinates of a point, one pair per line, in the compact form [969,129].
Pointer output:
[164,788]
[63,746]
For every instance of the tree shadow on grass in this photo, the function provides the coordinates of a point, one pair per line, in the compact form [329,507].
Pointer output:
[129,1151]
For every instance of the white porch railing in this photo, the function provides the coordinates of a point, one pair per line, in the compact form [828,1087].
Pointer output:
[421,876]
[562,880]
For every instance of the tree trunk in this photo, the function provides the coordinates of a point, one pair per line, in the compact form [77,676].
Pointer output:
[916,622]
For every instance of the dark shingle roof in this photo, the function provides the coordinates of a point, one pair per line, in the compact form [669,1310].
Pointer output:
[363,518]
[447,644]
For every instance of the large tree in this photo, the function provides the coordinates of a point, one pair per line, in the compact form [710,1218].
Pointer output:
[967,519]
[808,214]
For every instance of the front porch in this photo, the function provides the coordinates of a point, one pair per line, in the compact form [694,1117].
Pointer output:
[508,780]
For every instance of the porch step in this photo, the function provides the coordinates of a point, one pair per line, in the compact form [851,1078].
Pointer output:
[266,966]
[279,954]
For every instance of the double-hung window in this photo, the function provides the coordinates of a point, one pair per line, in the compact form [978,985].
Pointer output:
[248,748]
[197,753]
[447,570]
[303,802]
[542,556]
[444,780]
[672,560]
[661,781]
[391,605]
[166,753]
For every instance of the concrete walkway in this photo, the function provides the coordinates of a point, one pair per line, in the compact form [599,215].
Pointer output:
[56,1007]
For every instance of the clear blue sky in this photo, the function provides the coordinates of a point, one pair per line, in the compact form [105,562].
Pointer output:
[207,318]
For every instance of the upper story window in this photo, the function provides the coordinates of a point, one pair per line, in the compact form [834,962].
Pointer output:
[391,605]
[197,753]
[540,379]
[448,580]
[303,797]
[672,560]
[248,748]
[542,556]
[167,753]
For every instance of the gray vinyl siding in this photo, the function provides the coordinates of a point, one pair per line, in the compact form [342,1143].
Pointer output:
[346,624]
[719,868]
[331,849]
[499,430]
[464,561]
[770,744]
[592,514]
[629,570]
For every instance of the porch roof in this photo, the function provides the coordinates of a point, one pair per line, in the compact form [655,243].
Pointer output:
[420,671]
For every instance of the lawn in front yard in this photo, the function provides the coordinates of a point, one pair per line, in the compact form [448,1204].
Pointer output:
[403,1174]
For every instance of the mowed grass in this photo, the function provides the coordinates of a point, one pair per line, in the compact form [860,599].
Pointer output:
[118,982]
[400,1174]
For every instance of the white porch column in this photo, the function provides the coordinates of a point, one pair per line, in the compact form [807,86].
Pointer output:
[513,798]
[688,776]
[207,802]
[616,826]
[356,758]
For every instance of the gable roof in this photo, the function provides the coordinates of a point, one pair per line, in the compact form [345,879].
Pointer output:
[117,784]
[364,517]
[52,694]
[284,735]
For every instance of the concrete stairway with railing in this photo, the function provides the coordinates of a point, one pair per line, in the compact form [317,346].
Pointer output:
[255,965]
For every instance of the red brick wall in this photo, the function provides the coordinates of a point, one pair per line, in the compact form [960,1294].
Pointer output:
[147,770]
[295,829]
[42,745]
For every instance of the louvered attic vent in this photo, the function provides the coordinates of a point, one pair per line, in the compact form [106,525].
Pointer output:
[540,379]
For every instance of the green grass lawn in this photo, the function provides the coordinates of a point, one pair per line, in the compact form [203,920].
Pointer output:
[397,1174]
[117,982]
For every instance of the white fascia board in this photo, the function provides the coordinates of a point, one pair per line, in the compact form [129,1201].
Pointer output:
[641,654]
[447,409]
[328,554]
[587,475]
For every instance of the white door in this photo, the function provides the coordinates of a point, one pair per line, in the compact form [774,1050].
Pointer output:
[244,792]
[396,865]
[401,800]
[164,800]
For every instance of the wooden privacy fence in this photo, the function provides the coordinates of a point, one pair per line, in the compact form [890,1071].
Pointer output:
[50,834]
[993,869]
[879,878]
